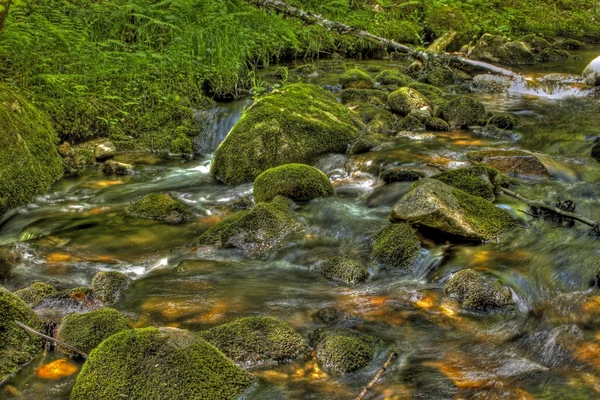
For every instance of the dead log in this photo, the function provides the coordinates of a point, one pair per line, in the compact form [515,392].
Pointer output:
[315,19]
[51,339]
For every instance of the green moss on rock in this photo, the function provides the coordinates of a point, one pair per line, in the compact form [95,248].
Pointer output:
[16,346]
[432,93]
[393,78]
[356,79]
[257,341]
[29,161]
[364,144]
[396,247]
[363,96]
[160,207]
[463,112]
[439,77]
[35,293]
[153,364]
[406,99]
[85,331]
[475,181]
[256,232]
[378,119]
[182,144]
[410,123]
[298,182]
[344,269]
[399,174]
[108,286]
[436,124]
[296,125]
[475,293]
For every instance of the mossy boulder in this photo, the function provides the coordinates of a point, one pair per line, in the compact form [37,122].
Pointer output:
[436,124]
[182,144]
[475,181]
[571,44]
[35,293]
[476,294]
[432,93]
[160,207]
[17,347]
[393,77]
[153,364]
[296,125]
[109,286]
[85,331]
[364,144]
[591,74]
[257,341]
[399,174]
[396,247]
[29,160]
[463,112]
[377,119]
[434,205]
[497,49]
[439,77]
[256,231]
[514,162]
[548,55]
[504,121]
[343,350]
[298,182]
[406,99]
[363,96]
[410,123]
[596,151]
[344,269]
[356,79]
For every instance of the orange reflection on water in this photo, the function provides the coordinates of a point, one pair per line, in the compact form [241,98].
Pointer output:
[57,369]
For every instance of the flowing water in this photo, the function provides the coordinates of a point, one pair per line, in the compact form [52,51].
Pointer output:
[549,348]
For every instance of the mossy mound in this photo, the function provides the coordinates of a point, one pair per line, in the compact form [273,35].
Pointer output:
[378,119]
[443,19]
[363,96]
[406,99]
[410,123]
[432,93]
[463,112]
[85,331]
[439,77]
[108,286]
[393,78]
[35,293]
[342,350]
[440,207]
[399,175]
[257,341]
[29,161]
[364,144]
[475,181]
[296,125]
[16,346]
[298,182]
[396,247]
[344,269]
[475,293]
[596,151]
[153,364]
[182,144]
[160,207]
[504,121]
[436,124]
[356,79]
[256,231]
[497,49]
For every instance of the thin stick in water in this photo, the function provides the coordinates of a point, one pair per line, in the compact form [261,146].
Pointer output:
[376,377]
[46,337]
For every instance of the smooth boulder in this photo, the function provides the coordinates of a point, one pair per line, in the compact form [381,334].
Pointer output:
[591,74]
[104,151]
[298,182]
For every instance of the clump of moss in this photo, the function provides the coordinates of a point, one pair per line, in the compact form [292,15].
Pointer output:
[363,96]
[257,341]
[396,246]
[35,293]
[378,119]
[475,293]
[160,207]
[295,125]
[393,78]
[344,269]
[85,331]
[439,77]
[343,350]
[298,182]
[436,124]
[29,161]
[443,19]
[463,112]
[108,286]
[257,231]
[155,364]
[432,93]
[182,144]
[410,123]
[356,79]
[406,99]
[16,346]
[364,144]
[504,121]
[399,175]
[475,181]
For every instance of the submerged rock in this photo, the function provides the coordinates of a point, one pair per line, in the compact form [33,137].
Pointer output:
[396,246]
[435,205]
[591,74]
[153,364]
[109,286]
[17,347]
[298,182]
[104,151]
[160,207]
[463,112]
[111,167]
[406,99]
[332,315]
[257,231]
[257,341]
[356,79]
[476,294]
[35,293]
[296,125]
[516,162]
[344,269]
[85,331]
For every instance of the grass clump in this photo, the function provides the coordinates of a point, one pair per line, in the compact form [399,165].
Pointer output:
[298,182]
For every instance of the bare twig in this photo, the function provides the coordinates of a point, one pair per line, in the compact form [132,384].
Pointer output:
[46,337]
[377,376]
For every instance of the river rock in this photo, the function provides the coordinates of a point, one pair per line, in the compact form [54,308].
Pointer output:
[435,205]
[104,151]
[35,293]
[159,363]
[396,247]
[492,83]
[463,112]
[111,167]
[477,181]
[392,77]
[515,162]
[400,174]
[356,79]
[160,207]
[298,182]
[363,96]
[295,125]
[257,341]
[406,99]
[344,269]
[475,293]
[591,73]
[109,286]
[496,49]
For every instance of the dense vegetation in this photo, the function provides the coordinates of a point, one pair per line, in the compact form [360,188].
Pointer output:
[135,70]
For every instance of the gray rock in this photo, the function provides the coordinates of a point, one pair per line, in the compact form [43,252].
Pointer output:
[104,151]
[591,73]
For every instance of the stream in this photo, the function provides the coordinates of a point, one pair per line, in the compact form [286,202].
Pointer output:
[548,349]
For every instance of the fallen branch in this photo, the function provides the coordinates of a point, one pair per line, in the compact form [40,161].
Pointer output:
[315,19]
[46,337]
[377,376]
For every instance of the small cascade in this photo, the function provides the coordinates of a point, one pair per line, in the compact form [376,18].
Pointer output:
[217,122]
